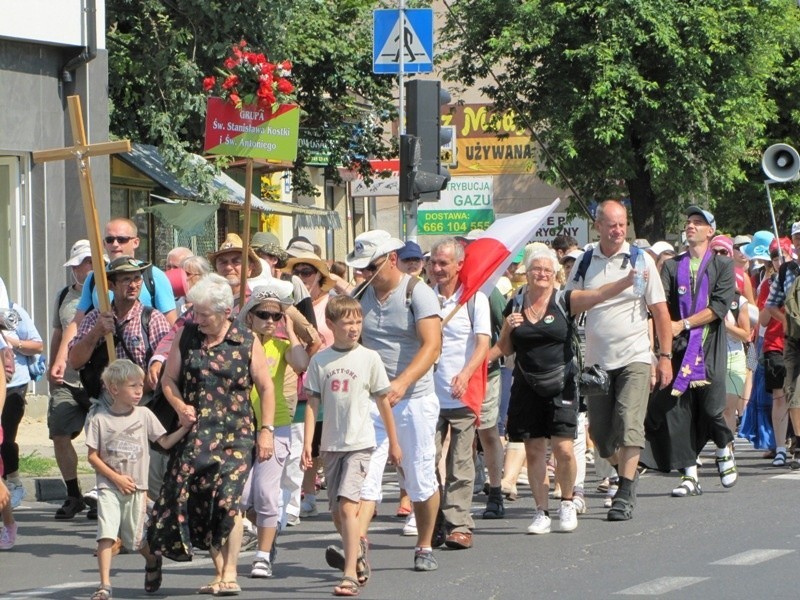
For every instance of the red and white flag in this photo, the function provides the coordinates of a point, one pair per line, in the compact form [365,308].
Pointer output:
[485,260]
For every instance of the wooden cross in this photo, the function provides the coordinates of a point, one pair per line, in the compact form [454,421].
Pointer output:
[81,151]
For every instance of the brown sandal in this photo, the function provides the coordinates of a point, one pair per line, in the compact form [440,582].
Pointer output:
[347,587]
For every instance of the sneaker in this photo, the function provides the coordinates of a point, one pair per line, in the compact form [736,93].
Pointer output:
[292,520]
[613,486]
[8,537]
[17,492]
[262,569]
[410,528]
[91,514]
[425,561]
[249,537]
[540,524]
[90,498]
[580,504]
[308,509]
[567,516]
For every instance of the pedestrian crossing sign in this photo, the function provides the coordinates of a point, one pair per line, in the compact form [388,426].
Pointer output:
[407,32]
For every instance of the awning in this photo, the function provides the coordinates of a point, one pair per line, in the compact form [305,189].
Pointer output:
[189,212]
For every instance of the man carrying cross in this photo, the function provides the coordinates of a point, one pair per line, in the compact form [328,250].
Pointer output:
[681,418]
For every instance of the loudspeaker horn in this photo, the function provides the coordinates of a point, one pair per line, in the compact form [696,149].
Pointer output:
[781,163]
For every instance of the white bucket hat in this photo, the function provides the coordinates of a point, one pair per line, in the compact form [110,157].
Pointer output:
[79,252]
[370,245]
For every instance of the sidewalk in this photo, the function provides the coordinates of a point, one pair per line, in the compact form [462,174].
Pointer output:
[33,438]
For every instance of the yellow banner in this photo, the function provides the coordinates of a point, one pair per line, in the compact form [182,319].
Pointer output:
[492,156]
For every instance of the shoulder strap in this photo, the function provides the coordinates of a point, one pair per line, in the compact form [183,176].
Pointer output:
[150,284]
[61,295]
[518,300]
[148,351]
[412,283]
[91,293]
[583,266]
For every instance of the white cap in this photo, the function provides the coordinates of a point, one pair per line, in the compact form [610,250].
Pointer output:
[660,247]
[796,228]
[79,252]
[370,245]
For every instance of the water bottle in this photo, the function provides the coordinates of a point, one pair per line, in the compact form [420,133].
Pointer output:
[639,282]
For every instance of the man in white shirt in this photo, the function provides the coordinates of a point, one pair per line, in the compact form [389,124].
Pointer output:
[465,342]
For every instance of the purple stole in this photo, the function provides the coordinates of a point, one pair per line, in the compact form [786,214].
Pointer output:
[692,372]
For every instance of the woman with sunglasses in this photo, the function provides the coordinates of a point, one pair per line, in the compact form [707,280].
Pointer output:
[314,273]
[737,326]
[263,313]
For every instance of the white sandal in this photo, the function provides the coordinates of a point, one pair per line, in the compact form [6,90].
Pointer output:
[687,487]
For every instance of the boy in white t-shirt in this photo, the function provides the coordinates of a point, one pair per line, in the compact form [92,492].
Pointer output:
[344,377]
[117,438]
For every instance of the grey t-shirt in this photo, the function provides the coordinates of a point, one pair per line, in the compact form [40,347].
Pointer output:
[62,316]
[390,329]
[121,442]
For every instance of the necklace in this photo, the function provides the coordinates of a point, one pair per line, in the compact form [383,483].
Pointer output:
[537,314]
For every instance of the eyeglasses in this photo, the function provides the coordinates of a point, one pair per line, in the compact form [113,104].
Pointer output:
[129,279]
[372,267]
[120,239]
[720,252]
[266,315]
[541,271]
[304,272]
[192,275]
[774,255]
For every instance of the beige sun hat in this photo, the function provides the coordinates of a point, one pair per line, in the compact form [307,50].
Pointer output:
[233,243]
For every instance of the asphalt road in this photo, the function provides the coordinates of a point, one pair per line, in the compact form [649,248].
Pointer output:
[735,544]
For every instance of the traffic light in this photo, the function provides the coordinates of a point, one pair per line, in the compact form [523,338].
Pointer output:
[422,176]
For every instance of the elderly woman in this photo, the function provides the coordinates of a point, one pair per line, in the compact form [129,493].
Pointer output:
[262,314]
[544,399]
[207,379]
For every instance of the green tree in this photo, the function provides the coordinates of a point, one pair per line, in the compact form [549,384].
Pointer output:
[658,100]
[159,52]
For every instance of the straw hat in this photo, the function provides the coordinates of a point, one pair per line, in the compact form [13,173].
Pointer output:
[326,283]
[233,243]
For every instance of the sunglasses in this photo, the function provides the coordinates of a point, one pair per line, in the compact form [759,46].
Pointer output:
[721,252]
[304,272]
[266,315]
[120,239]
[372,267]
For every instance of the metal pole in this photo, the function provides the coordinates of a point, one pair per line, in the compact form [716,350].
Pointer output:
[772,214]
[408,210]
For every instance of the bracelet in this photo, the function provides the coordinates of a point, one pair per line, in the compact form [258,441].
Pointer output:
[19,344]
[270,428]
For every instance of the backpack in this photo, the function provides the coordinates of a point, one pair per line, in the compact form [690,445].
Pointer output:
[586,260]
[517,305]
[91,371]
[149,284]
[792,307]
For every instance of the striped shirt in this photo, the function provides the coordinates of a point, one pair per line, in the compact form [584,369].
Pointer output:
[131,326]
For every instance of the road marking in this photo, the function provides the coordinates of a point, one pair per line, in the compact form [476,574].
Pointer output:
[751,557]
[44,591]
[794,475]
[662,585]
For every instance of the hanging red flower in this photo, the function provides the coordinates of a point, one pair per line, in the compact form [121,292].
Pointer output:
[248,77]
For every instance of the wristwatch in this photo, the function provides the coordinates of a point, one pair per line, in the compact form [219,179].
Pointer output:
[270,428]
[665,355]
[686,325]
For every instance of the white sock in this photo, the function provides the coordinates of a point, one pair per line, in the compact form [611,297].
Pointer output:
[262,554]
[722,452]
[780,449]
[310,498]
[691,472]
